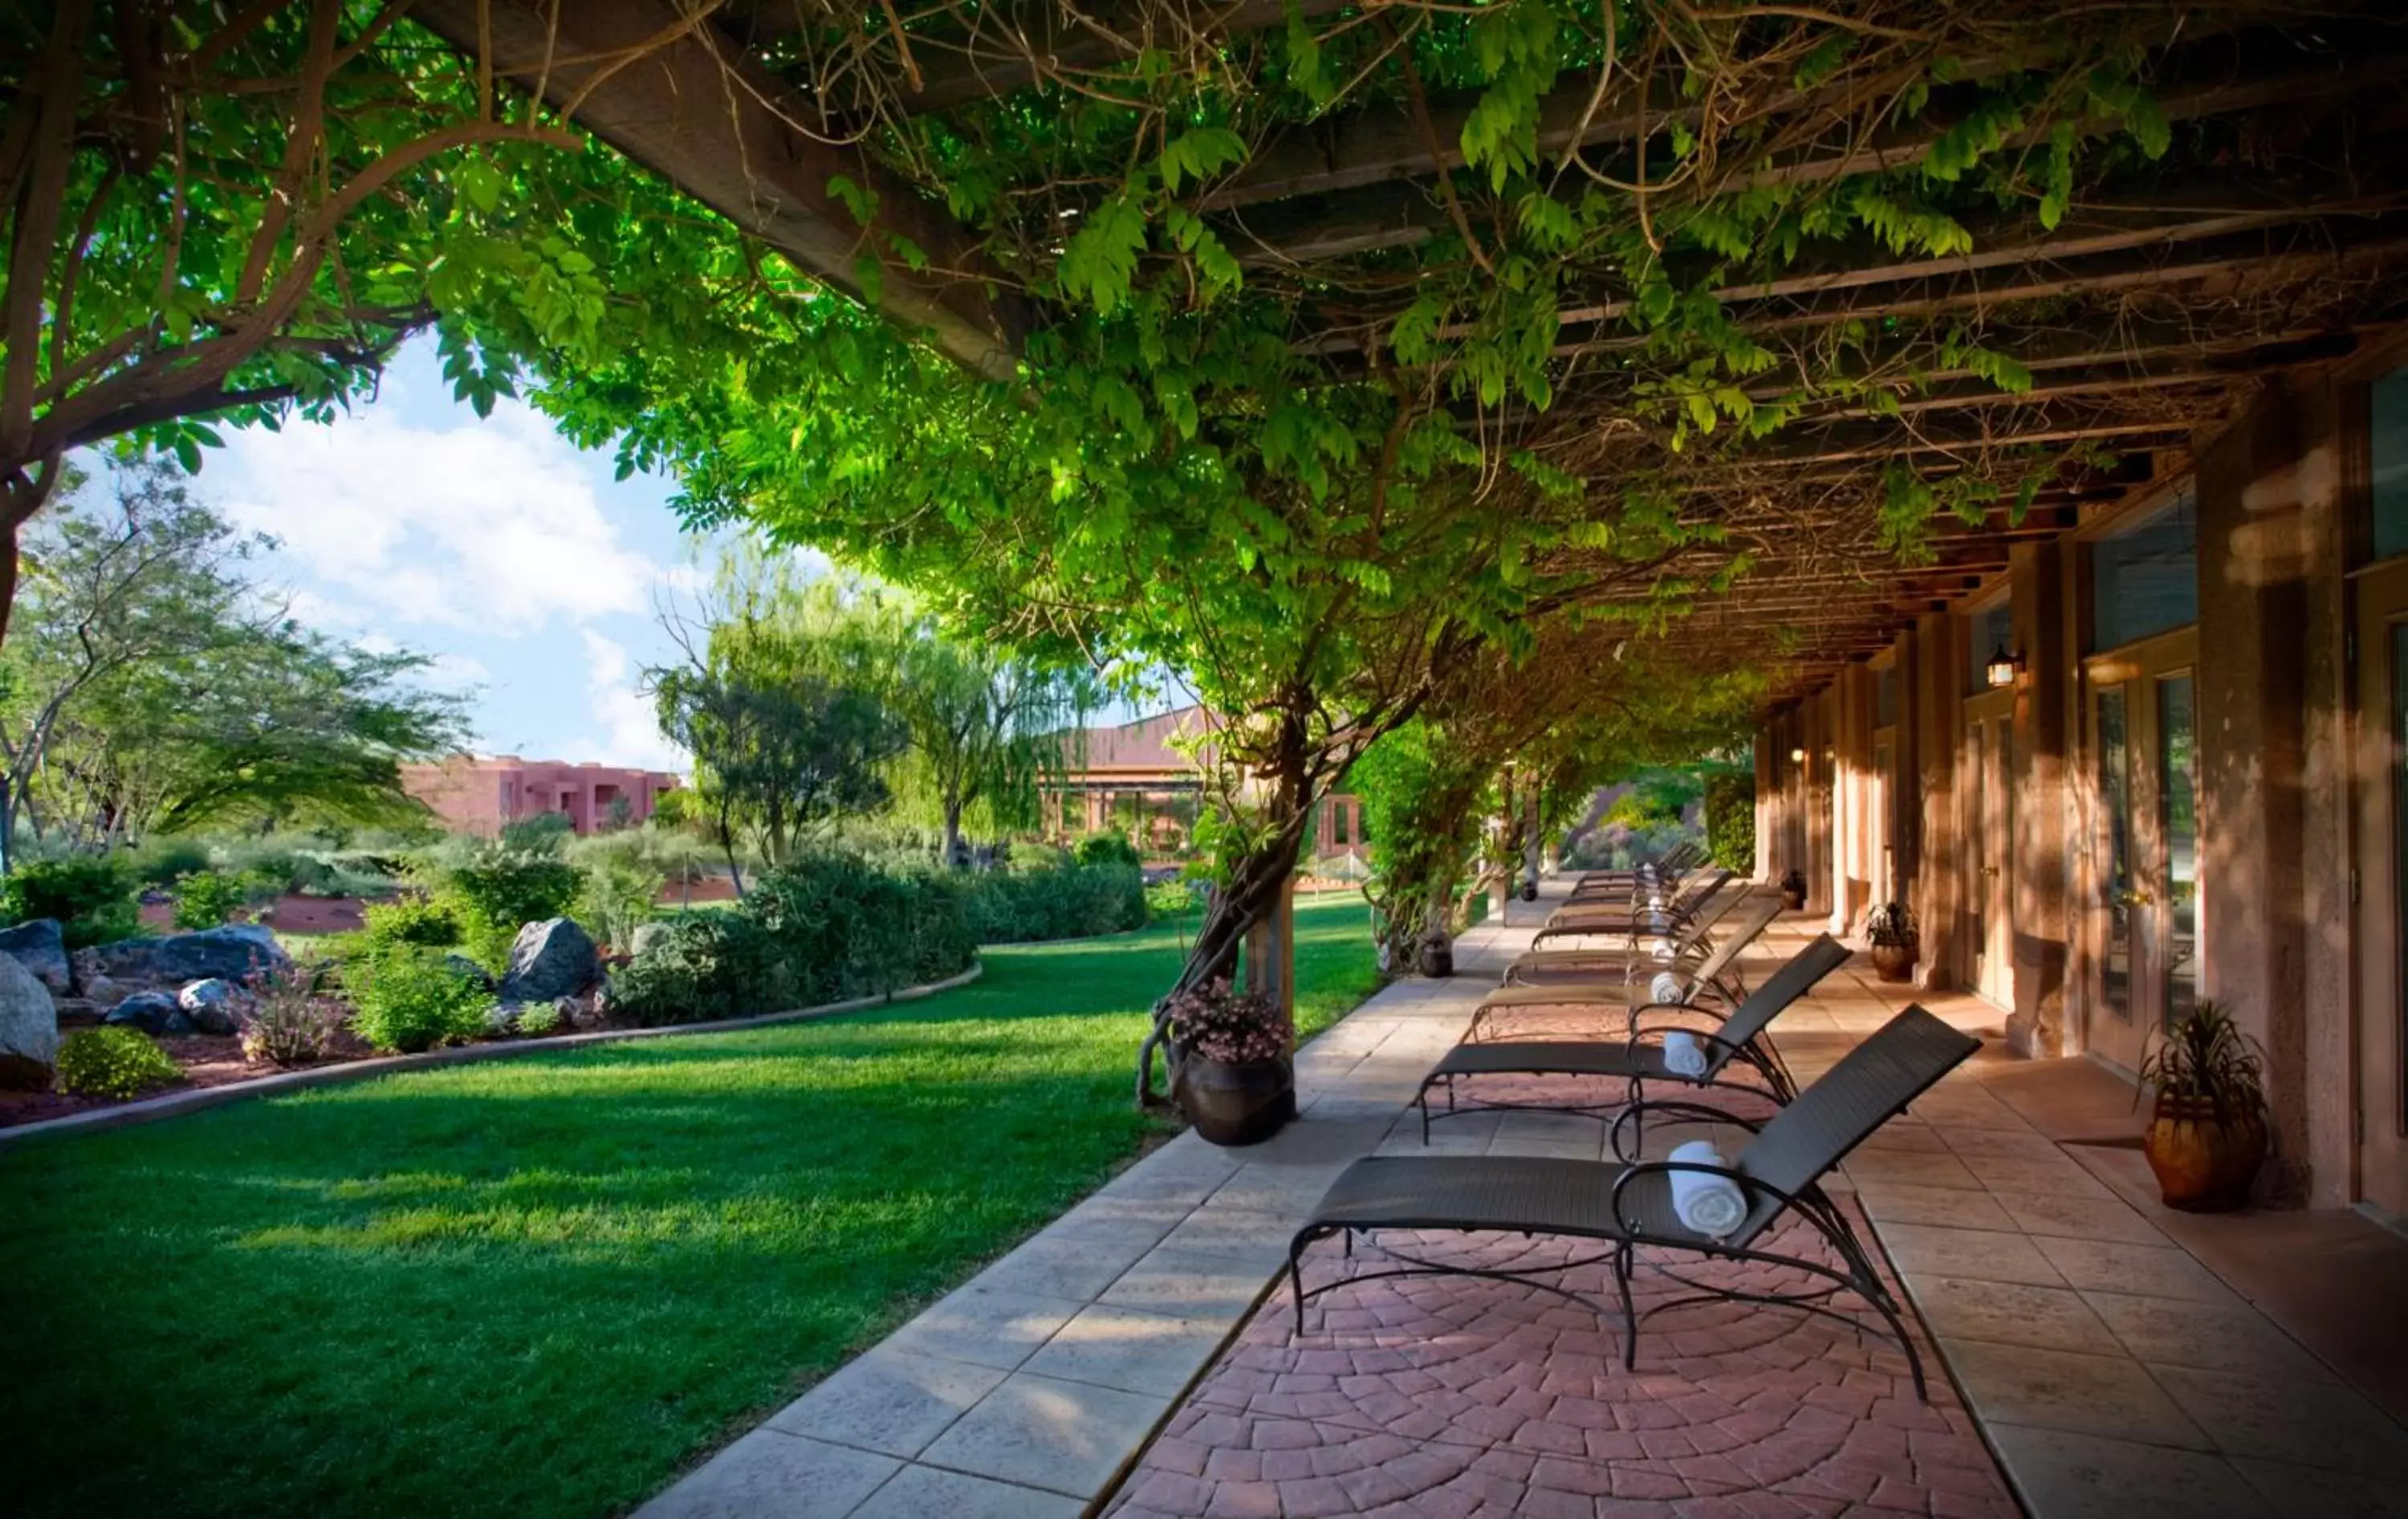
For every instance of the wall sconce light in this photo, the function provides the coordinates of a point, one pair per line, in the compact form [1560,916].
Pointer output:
[2000,671]
[1798,756]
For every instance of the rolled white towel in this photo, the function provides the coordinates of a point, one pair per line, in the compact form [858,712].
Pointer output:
[1712,1205]
[1667,988]
[1683,1055]
[1663,949]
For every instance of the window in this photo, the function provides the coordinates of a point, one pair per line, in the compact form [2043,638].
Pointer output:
[2144,579]
[1886,696]
[1987,632]
[2387,469]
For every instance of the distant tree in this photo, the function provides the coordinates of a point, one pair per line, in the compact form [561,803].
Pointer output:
[987,727]
[151,683]
[781,709]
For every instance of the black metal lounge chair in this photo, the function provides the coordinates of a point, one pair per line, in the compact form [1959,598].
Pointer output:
[1553,968]
[1626,1207]
[1609,894]
[1736,1048]
[1609,917]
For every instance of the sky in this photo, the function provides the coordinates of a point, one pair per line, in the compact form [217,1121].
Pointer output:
[494,544]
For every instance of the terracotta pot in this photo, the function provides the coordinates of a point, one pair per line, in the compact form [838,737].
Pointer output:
[1895,961]
[1794,899]
[1530,891]
[1438,956]
[2203,1165]
[1239,1102]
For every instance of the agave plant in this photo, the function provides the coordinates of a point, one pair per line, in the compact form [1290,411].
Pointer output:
[2205,1056]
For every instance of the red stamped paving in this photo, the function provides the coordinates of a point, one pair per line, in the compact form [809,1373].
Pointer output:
[1471,1399]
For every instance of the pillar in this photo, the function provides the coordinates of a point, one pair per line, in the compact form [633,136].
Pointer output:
[1768,809]
[1270,951]
[1934,695]
[2042,890]
[2275,933]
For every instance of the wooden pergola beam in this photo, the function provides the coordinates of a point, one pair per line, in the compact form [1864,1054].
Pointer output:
[662,86]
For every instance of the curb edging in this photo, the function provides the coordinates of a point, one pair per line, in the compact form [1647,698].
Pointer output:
[152,1109]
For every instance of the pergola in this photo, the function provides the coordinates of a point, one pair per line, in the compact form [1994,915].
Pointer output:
[2266,236]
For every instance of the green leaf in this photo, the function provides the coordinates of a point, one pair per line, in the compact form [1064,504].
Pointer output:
[1200,153]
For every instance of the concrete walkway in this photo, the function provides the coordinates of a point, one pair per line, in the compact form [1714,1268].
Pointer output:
[1030,1390]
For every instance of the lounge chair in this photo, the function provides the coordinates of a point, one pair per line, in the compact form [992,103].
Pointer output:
[1622,922]
[1628,1206]
[1735,1047]
[1592,966]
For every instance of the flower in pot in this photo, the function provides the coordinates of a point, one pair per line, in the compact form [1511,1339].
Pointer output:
[1234,1081]
[1897,942]
[1793,889]
[2207,1135]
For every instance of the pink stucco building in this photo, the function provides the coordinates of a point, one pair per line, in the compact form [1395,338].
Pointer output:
[478,795]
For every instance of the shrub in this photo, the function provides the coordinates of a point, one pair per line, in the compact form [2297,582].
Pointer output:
[499,891]
[823,928]
[1105,849]
[407,1000]
[621,886]
[113,1063]
[1171,899]
[426,922]
[543,834]
[539,1018]
[1071,901]
[1730,821]
[291,1022]
[90,895]
[1224,1023]
[164,862]
[207,898]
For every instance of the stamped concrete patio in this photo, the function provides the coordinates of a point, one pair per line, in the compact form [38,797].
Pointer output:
[2082,1362]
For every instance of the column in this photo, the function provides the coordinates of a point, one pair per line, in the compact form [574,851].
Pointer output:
[1768,810]
[1934,695]
[2275,934]
[2042,890]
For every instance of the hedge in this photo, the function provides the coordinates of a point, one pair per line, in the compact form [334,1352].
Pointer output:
[1058,901]
[1730,821]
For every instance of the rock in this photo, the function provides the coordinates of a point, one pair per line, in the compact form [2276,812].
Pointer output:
[647,938]
[29,1028]
[100,989]
[150,1012]
[234,952]
[468,970]
[214,1006]
[552,959]
[502,1019]
[41,946]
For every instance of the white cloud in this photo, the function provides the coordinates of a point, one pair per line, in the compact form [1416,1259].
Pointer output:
[631,730]
[492,526]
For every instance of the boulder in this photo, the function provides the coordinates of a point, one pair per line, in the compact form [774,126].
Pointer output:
[233,953]
[647,938]
[153,1012]
[29,1028]
[552,959]
[41,946]
[214,1006]
[468,970]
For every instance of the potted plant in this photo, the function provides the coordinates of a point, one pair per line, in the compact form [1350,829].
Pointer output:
[1896,941]
[2207,1134]
[1438,953]
[1235,1081]
[1793,889]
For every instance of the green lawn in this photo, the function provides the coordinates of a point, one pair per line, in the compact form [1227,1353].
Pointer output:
[542,1286]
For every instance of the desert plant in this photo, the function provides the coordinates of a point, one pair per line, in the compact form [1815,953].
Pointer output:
[164,861]
[545,833]
[427,922]
[113,1063]
[1224,1023]
[1892,924]
[406,1000]
[291,1021]
[208,898]
[92,895]
[622,885]
[2205,1057]
[1105,849]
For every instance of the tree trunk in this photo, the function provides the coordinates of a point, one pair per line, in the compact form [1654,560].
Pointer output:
[7,827]
[954,855]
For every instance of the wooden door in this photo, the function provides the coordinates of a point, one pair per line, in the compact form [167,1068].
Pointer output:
[2381,1090]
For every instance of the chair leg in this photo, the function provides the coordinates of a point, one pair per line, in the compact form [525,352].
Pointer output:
[1905,1342]
[1296,1278]
[1630,1314]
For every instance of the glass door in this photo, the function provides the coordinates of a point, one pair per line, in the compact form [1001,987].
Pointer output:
[2144,844]
[2382,770]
